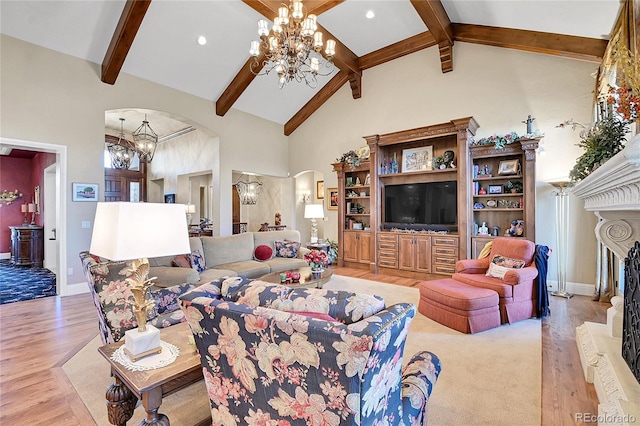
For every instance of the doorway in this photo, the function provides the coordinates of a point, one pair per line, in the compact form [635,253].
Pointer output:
[50,218]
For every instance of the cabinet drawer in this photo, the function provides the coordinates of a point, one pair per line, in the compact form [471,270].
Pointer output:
[447,260]
[446,250]
[445,241]
[443,269]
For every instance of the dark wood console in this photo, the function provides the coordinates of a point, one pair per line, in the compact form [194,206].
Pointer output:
[27,245]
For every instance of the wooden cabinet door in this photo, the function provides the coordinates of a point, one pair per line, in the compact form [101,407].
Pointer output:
[423,253]
[350,246]
[365,247]
[406,252]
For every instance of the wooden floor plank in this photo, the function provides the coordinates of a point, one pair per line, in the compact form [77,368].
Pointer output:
[37,337]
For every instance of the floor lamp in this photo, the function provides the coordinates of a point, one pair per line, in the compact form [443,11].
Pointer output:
[562,235]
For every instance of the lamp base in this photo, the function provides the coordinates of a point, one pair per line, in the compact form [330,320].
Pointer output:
[139,344]
[314,240]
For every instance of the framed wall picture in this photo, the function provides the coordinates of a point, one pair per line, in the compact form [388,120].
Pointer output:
[84,191]
[332,198]
[495,189]
[509,167]
[320,189]
[417,159]
[170,198]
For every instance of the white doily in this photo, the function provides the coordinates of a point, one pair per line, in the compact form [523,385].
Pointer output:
[167,356]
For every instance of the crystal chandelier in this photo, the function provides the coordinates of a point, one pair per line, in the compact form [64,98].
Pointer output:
[292,47]
[248,191]
[145,141]
[121,152]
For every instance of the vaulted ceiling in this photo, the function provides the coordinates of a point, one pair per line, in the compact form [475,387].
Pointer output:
[156,40]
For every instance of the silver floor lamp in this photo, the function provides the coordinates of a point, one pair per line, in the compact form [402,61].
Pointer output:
[562,235]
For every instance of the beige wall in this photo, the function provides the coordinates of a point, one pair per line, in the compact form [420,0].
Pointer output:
[499,87]
[57,99]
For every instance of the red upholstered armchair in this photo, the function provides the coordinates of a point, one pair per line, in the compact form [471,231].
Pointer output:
[517,290]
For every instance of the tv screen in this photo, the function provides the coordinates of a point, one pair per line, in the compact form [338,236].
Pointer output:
[432,205]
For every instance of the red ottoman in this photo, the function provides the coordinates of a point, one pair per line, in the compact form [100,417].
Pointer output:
[460,306]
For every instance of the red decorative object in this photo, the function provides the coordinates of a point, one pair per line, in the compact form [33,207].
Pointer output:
[263,252]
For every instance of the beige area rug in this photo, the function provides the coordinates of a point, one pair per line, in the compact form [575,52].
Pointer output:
[490,378]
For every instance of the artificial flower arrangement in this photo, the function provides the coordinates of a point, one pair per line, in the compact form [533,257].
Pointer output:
[351,158]
[317,259]
[499,141]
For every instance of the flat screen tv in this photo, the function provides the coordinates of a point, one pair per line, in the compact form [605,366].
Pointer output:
[422,206]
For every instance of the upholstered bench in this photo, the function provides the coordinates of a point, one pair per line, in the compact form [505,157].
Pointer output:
[462,307]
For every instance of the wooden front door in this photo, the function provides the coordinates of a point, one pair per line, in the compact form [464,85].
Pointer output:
[118,183]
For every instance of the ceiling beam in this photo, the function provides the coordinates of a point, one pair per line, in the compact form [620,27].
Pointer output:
[344,57]
[588,49]
[397,50]
[123,36]
[435,17]
[314,103]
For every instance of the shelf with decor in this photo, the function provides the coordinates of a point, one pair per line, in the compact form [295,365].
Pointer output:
[502,192]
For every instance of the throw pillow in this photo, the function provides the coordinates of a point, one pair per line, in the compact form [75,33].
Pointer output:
[500,265]
[262,253]
[288,249]
[181,261]
[317,315]
[196,259]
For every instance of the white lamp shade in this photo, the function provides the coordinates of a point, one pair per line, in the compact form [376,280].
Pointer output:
[126,231]
[313,211]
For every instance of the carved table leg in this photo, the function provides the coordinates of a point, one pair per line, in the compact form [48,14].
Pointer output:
[151,401]
[120,403]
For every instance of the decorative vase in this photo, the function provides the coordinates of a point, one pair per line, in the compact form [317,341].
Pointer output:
[316,271]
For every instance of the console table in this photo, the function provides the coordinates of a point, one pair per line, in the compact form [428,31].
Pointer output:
[27,245]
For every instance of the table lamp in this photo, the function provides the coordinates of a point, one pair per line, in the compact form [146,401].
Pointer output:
[135,232]
[313,212]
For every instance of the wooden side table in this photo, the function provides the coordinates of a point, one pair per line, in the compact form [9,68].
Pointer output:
[27,245]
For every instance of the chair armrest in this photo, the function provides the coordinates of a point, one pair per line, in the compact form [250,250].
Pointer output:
[517,276]
[418,378]
[473,266]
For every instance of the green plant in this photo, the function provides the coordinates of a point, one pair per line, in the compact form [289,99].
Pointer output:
[600,142]
[351,158]
[333,251]
[515,185]
[499,141]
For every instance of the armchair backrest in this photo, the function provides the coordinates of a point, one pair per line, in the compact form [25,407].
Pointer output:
[513,247]
[262,364]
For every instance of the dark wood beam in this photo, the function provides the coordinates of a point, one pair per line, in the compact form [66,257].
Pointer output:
[397,50]
[238,85]
[123,36]
[316,102]
[435,17]
[588,49]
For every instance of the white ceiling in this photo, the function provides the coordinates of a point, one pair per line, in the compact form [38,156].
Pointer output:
[165,49]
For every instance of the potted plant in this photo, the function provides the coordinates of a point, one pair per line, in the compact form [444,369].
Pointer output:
[514,186]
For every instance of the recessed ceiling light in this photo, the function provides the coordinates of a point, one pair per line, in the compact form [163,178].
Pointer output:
[370,14]
[202,40]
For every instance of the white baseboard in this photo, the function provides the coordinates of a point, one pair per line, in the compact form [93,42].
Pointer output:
[5,255]
[581,289]
[77,288]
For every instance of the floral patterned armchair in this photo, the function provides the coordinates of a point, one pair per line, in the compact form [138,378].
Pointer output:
[268,359]
[114,301]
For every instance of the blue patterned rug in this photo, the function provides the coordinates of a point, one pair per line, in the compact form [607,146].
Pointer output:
[19,283]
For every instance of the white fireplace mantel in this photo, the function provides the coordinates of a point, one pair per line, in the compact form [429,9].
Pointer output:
[612,192]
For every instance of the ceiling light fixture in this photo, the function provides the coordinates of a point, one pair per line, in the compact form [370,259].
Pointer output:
[201,40]
[121,152]
[292,47]
[145,141]
[249,190]
[370,14]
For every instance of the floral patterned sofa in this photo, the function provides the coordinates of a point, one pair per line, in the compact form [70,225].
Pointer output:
[114,301]
[271,355]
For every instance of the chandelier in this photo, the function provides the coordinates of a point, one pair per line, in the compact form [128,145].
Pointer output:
[292,47]
[248,191]
[121,152]
[145,141]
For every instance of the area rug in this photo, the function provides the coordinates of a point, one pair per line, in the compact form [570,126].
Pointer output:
[489,378]
[19,283]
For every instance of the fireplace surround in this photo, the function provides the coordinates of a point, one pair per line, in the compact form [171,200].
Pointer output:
[631,316]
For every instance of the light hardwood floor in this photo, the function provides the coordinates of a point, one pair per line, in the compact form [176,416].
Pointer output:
[38,336]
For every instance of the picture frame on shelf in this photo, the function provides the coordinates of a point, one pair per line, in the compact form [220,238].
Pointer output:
[170,198]
[84,191]
[320,190]
[332,199]
[509,167]
[494,189]
[417,159]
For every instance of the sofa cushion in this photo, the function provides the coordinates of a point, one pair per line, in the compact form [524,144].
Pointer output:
[263,252]
[161,261]
[270,237]
[167,276]
[248,268]
[288,249]
[500,265]
[197,261]
[232,248]
[215,274]
[181,261]
[279,264]
[503,289]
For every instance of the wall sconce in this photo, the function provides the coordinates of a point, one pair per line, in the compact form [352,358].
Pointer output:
[306,197]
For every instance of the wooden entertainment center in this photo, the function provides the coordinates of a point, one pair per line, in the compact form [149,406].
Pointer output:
[365,240]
